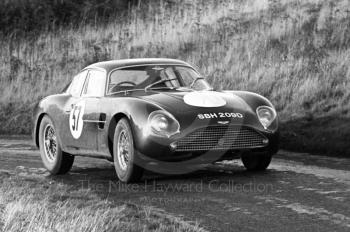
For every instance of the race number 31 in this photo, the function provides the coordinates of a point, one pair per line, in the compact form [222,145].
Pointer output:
[76,119]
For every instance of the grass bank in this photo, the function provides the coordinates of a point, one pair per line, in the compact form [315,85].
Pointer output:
[28,17]
[323,136]
[34,203]
[296,53]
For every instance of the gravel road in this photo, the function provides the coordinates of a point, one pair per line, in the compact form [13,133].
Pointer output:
[299,192]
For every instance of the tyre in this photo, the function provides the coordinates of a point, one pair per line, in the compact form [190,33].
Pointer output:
[54,159]
[256,162]
[124,153]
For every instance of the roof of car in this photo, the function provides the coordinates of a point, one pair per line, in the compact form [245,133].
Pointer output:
[113,64]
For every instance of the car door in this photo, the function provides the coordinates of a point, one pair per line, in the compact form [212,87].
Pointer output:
[74,93]
[82,112]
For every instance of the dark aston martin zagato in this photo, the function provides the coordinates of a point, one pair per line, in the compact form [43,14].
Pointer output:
[155,114]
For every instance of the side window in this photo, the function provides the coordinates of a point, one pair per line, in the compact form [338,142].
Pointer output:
[77,84]
[187,75]
[95,85]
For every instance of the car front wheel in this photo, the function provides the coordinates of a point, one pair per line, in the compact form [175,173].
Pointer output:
[54,159]
[256,162]
[124,153]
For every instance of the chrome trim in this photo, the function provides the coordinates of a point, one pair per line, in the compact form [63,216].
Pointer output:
[223,122]
[97,68]
[93,121]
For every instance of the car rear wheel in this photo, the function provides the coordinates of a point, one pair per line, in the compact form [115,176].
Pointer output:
[54,159]
[124,153]
[256,162]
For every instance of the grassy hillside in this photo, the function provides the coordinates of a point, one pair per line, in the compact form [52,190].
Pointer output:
[295,52]
[23,17]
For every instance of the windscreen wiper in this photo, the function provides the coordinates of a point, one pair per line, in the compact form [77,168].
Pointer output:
[195,80]
[159,82]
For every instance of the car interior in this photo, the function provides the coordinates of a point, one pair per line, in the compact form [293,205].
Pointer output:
[139,81]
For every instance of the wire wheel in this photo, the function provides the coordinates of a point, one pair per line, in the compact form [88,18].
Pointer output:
[123,150]
[50,143]
[125,153]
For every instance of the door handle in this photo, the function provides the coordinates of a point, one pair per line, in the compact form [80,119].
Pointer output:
[71,108]
[102,120]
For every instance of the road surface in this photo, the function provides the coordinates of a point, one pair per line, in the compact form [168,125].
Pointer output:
[299,192]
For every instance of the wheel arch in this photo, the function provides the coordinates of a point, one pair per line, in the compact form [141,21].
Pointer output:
[37,128]
[114,121]
[136,111]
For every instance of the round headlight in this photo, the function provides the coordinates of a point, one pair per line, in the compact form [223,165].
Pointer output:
[266,115]
[159,122]
[162,123]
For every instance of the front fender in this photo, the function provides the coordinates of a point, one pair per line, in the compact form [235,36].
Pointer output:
[135,110]
[254,101]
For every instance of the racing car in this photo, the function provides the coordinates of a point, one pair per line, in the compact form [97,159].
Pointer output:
[152,114]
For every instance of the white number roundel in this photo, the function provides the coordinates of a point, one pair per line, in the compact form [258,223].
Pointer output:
[76,119]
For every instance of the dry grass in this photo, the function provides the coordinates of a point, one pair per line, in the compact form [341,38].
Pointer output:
[38,204]
[296,53]
[28,17]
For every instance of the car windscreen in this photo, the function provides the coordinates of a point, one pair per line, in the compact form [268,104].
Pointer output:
[155,76]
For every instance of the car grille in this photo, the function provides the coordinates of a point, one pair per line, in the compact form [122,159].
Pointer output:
[221,138]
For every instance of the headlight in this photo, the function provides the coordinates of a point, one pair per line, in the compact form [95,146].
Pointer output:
[162,123]
[266,115]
